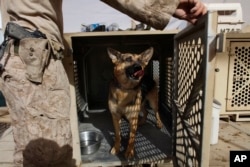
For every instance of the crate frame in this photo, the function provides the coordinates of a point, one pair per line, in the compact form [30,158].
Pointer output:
[170,103]
[70,66]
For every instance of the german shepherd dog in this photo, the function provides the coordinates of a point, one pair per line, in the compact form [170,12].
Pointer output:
[125,94]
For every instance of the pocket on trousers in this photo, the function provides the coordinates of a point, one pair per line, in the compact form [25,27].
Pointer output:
[35,53]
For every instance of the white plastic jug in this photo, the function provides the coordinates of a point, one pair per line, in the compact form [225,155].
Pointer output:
[215,122]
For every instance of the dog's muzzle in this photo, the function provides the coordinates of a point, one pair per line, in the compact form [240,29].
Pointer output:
[134,71]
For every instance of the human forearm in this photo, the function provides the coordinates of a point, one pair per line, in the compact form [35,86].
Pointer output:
[155,13]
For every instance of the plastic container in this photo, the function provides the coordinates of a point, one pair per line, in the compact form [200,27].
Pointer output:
[215,122]
[230,16]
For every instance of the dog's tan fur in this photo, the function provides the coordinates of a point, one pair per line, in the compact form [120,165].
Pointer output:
[125,96]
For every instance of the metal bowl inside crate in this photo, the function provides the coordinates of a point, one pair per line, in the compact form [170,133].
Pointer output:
[90,141]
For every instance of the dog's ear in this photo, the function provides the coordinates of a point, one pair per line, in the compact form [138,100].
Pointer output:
[113,54]
[147,54]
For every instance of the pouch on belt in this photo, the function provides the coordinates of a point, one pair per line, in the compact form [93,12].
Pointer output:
[35,53]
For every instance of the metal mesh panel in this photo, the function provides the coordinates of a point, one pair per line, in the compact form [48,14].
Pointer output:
[239,77]
[156,71]
[81,103]
[169,80]
[151,144]
[189,100]
[192,76]
[166,88]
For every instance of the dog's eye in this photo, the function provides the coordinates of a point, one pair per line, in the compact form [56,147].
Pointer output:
[128,59]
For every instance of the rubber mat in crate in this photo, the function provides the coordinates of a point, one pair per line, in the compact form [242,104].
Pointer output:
[152,145]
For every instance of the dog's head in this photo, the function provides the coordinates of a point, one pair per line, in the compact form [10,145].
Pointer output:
[129,66]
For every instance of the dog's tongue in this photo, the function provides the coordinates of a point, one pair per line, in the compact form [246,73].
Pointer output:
[139,73]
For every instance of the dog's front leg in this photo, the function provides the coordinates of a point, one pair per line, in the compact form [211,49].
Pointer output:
[152,98]
[143,119]
[154,106]
[116,123]
[133,123]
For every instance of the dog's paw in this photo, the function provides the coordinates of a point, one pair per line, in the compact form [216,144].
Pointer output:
[129,153]
[159,124]
[114,151]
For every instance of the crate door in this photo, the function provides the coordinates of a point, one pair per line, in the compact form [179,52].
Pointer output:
[192,92]
[238,94]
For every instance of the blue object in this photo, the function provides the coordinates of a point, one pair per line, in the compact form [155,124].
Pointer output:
[2,100]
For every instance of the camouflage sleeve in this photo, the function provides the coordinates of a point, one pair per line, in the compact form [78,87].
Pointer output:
[155,13]
[4,14]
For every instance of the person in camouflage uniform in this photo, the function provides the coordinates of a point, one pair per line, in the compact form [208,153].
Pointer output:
[34,82]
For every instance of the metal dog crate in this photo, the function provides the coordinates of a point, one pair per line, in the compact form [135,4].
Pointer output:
[94,71]
[184,62]
[232,77]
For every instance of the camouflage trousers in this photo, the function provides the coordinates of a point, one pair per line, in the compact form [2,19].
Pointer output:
[39,112]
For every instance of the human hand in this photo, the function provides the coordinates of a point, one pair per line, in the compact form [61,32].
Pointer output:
[190,10]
